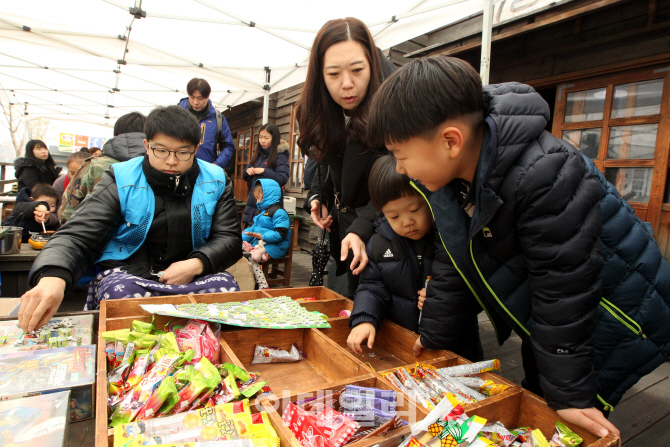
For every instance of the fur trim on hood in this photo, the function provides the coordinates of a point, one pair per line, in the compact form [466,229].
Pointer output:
[282,146]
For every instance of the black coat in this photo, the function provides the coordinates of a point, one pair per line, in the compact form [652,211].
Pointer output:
[389,284]
[347,174]
[532,257]
[279,174]
[31,171]
[81,241]
[23,216]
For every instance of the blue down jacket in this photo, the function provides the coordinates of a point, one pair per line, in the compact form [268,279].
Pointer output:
[211,136]
[272,222]
[554,253]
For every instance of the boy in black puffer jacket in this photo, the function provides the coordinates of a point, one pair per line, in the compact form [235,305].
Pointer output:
[400,257]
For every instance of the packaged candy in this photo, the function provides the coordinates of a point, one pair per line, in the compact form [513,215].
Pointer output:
[199,336]
[482,442]
[183,376]
[140,394]
[491,388]
[138,370]
[356,402]
[119,352]
[152,407]
[251,386]
[142,340]
[498,433]
[564,437]
[537,439]
[470,369]
[205,377]
[353,390]
[472,382]
[327,428]
[522,433]
[143,326]
[236,372]
[110,344]
[270,354]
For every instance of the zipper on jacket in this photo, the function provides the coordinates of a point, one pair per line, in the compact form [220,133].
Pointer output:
[458,270]
[622,317]
[176,183]
[494,294]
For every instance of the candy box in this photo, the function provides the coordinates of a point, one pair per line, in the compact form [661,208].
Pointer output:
[79,326]
[31,373]
[35,421]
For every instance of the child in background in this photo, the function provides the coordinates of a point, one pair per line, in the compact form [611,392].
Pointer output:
[74,162]
[269,236]
[400,257]
[32,208]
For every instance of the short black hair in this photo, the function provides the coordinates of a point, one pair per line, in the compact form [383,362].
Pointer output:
[42,189]
[130,122]
[198,85]
[78,156]
[385,184]
[420,96]
[174,122]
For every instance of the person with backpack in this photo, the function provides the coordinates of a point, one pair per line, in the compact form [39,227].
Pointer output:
[216,143]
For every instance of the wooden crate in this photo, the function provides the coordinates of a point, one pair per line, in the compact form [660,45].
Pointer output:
[329,365]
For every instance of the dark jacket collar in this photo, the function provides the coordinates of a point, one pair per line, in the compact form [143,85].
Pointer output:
[171,184]
[24,195]
[125,146]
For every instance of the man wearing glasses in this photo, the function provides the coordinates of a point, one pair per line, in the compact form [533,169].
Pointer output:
[162,224]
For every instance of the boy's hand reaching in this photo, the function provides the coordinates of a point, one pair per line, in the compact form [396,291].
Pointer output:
[422,298]
[591,419]
[41,214]
[359,334]
[40,303]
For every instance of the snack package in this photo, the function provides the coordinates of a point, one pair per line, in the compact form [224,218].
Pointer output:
[251,386]
[491,388]
[498,433]
[356,402]
[152,407]
[236,372]
[537,439]
[522,433]
[140,394]
[470,369]
[143,326]
[137,371]
[472,382]
[204,378]
[328,428]
[481,442]
[564,437]
[354,390]
[109,338]
[199,336]
[221,423]
[270,354]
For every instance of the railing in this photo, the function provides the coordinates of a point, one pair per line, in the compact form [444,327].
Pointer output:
[4,182]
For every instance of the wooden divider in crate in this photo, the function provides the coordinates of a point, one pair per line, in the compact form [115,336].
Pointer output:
[406,409]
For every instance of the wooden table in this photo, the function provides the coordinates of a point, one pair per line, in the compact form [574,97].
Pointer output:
[14,271]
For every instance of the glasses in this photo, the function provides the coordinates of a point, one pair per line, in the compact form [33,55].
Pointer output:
[164,153]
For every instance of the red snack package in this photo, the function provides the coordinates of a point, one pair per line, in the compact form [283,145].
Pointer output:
[328,428]
[339,427]
[198,335]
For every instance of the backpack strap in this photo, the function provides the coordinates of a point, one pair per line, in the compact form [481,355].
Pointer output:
[219,121]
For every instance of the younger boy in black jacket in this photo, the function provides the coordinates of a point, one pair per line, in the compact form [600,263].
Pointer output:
[530,230]
[34,207]
[400,257]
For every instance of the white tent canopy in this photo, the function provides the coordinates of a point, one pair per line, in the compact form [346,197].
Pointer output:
[95,60]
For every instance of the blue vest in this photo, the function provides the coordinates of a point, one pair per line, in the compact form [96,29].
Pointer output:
[138,204]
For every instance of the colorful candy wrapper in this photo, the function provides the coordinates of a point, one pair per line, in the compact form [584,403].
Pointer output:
[355,402]
[537,439]
[137,371]
[354,390]
[456,414]
[498,433]
[470,369]
[152,407]
[119,352]
[491,388]
[522,433]
[140,394]
[236,372]
[481,442]
[205,377]
[462,389]
[143,326]
[183,376]
[564,437]
[142,340]
[251,386]
[110,338]
[270,354]
[472,382]
[199,336]
[167,345]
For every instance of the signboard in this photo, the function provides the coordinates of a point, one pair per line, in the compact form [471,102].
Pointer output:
[95,142]
[66,143]
[507,10]
[81,141]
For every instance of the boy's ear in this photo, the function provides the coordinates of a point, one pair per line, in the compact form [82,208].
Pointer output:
[451,139]
[146,145]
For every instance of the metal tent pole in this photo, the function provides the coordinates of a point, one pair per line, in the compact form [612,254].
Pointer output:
[485,66]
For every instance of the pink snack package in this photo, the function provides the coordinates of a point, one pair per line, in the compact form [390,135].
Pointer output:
[198,335]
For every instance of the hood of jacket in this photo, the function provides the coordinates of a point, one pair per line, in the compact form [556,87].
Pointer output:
[210,115]
[24,195]
[282,146]
[271,193]
[383,228]
[28,162]
[125,146]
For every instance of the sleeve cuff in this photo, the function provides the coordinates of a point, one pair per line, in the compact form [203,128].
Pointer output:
[363,318]
[55,272]
[206,265]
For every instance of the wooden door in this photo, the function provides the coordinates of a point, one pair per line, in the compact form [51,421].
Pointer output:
[242,157]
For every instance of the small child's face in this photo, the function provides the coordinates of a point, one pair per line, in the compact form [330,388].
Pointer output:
[258,194]
[50,200]
[409,216]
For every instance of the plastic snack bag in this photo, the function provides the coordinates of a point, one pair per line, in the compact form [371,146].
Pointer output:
[270,354]
[199,336]
[564,437]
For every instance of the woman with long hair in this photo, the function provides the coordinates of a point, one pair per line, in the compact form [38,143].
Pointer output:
[345,70]
[36,167]
[270,160]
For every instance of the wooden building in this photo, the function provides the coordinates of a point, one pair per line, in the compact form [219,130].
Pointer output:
[604,68]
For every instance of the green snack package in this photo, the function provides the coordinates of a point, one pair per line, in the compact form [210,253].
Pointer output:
[251,390]
[186,357]
[143,326]
[183,376]
[537,439]
[142,340]
[564,437]
[157,399]
[232,386]
[237,372]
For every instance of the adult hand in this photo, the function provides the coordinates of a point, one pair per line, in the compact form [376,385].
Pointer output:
[250,171]
[41,214]
[321,222]
[591,419]
[182,272]
[418,346]
[259,170]
[359,334]
[354,243]
[422,298]
[40,303]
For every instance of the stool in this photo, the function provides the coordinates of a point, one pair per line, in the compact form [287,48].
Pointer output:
[281,269]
